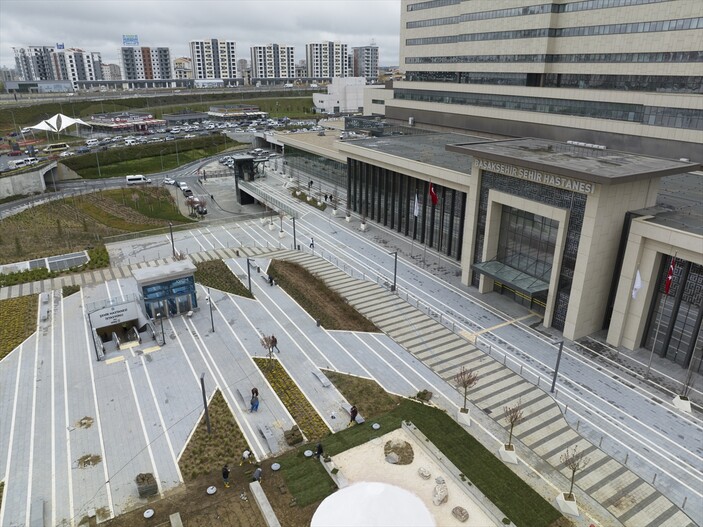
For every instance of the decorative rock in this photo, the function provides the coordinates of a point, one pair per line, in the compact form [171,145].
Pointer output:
[440,494]
[392,458]
[460,513]
[424,473]
[439,480]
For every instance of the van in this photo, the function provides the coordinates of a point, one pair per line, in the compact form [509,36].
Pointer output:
[18,164]
[130,142]
[137,180]
[92,142]
[57,147]
[31,160]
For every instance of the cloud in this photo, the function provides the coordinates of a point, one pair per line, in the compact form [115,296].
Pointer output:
[99,25]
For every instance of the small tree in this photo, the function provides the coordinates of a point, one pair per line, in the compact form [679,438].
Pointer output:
[267,344]
[513,415]
[466,379]
[574,461]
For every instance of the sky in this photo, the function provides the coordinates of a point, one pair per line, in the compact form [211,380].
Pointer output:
[98,25]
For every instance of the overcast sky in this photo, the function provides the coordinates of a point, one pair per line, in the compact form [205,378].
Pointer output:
[98,25]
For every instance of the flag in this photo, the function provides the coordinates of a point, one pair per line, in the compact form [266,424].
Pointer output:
[433,195]
[670,276]
[638,284]
[417,206]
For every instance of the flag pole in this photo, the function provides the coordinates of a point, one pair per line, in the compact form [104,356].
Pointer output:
[667,286]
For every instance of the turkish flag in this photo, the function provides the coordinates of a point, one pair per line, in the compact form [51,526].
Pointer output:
[670,276]
[433,195]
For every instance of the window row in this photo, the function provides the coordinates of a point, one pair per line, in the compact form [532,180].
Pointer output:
[655,57]
[432,4]
[649,83]
[689,119]
[680,24]
[539,9]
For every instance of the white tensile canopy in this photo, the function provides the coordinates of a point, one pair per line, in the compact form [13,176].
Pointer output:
[58,123]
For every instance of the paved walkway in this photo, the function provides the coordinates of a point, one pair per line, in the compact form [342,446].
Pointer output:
[610,492]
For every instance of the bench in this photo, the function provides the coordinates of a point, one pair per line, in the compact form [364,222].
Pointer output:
[264,505]
[175,520]
[267,434]
[322,378]
[267,279]
[347,408]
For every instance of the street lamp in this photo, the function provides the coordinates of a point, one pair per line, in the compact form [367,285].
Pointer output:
[209,303]
[556,368]
[173,245]
[98,162]
[163,336]
[395,270]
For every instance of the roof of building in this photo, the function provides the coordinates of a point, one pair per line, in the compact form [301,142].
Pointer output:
[429,149]
[585,163]
[679,203]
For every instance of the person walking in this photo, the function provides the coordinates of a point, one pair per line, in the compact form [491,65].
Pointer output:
[246,457]
[255,392]
[312,243]
[352,413]
[254,403]
[274,343]
[319,451]
[225,475]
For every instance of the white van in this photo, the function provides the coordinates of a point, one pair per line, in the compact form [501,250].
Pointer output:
[137,180]
[31,160]
[92,142]
[130,142]
[18,164]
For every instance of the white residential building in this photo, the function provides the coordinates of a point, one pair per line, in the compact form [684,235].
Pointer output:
[327,59]
[343,96]
[273,61]
[214,58]
[143,63]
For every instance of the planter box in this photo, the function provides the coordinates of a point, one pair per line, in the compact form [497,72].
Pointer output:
[281,234]
[508,456]
[348,219]
[567,506]
[146,485]
[463,418]
[262,220]
[682,404]
[334,212]
[364,227]
[271,226]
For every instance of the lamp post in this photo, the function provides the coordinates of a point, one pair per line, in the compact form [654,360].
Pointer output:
[395,270]
[163,337]
[97,160]
[173,245]
[556,368]
[249,260]
[209,303]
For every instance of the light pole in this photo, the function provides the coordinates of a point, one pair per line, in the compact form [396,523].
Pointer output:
[173,245]
[209,303]
[207,415]
[395,269]
[163,337]
[249,260]
[98,162]
[556,368]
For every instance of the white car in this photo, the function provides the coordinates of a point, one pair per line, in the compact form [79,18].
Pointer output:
[189,136]
[66,153]
[169,181]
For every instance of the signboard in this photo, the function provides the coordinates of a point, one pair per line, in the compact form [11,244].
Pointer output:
[130,40]
[544,178]
[112,315]
[59,45]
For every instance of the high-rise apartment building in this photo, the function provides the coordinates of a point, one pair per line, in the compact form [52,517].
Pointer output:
[213,58]
[111,72]
[621,73]
[46,63]
[327,59]
[365,62]
[273,61]
[33,63]
[144,63]
[182,68]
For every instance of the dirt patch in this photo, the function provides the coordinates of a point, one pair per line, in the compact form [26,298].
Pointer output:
[89,460]
[402,449]
[86,422]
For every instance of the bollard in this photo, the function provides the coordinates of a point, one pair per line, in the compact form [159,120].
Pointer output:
[654,478]
[600,442]
[578,423]
[520,370]
[684,502]
[566,408]
[627,456]
[505,358]
[318,323]
[538,379]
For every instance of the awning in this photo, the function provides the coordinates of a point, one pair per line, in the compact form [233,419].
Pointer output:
[512,277]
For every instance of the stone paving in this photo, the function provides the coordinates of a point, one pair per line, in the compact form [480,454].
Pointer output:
[610,492]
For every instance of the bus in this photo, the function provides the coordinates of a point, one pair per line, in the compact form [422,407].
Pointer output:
[56,147]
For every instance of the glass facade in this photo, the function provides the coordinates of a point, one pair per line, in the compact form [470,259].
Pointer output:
[170,298]
[389,198]
[319,167]
[571,58]
[674,323]
[636,113]
[541,231]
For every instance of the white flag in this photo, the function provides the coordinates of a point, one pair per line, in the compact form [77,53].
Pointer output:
[417,206]
[638,284]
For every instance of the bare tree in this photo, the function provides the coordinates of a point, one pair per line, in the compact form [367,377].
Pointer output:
[466,379]
[267,344]
[513,415]
[574,461]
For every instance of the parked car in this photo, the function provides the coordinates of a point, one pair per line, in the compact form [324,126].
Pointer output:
[82,150]
[169,181]
[182,185]
[66,153]
[187,192]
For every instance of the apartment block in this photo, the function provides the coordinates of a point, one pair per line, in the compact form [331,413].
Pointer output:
[213,58]
[327,59]
[273,61]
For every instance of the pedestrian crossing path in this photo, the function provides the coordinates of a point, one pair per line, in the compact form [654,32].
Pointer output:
[629,499]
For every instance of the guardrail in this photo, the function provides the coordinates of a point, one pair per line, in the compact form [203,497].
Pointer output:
[268,200]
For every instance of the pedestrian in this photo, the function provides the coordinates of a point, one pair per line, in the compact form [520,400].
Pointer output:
[271,280]
[318,451]
[257,474]
[325,198]
[274,343]
[255,392]
[312,243]
[254,403]
[225,475]
[352,413]
[246,457]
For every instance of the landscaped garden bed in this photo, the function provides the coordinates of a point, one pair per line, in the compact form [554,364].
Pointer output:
[306,417]
[19,321]
[216,274]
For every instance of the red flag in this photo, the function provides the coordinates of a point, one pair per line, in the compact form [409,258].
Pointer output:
[670,276]
[433,195]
